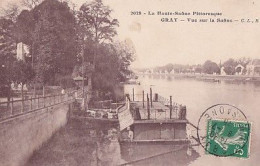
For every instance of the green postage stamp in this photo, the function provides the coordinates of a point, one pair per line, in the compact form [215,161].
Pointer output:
[228,138]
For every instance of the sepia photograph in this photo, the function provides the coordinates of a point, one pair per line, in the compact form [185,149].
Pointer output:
[129,83]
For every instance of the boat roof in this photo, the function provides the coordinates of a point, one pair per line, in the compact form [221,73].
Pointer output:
[159,113]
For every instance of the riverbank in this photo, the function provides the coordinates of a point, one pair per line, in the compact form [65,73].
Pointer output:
[78,143]
[244,78]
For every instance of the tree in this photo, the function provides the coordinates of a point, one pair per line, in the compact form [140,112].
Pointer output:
[243,61]
[198,69]
[22,74]
[229,66]
[112,67]
[49,29]
[169,67]
[210,67]
[25,25]
[96,23]
[7,53]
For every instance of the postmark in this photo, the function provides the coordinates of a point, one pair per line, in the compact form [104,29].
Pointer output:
[223,130]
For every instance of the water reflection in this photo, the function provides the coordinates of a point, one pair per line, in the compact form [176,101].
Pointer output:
[157,154]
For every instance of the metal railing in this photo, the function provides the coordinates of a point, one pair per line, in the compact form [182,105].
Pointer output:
[19,107]
[173,111]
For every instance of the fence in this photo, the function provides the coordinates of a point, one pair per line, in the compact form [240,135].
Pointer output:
[173,110]
[17,107]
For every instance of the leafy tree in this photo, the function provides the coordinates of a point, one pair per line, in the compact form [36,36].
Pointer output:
[7,53]
[25,25]
[49,29]
[169,67]
[210,67]
[243,61]
[22,74]
[112,67]
[229,66]
[95,22]
[198,69]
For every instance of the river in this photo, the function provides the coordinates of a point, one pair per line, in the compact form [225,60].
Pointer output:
[199,95]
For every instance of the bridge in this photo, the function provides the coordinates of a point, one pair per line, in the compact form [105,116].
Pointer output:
[26,124]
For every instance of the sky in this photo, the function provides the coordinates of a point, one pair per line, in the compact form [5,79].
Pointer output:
[159,43]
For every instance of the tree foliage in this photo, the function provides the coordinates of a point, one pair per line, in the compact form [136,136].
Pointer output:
[95,20]
[49,28]
[7,50]
[229,66]
[210,67]
[112,67]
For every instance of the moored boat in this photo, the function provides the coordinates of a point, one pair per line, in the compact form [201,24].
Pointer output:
[154,127]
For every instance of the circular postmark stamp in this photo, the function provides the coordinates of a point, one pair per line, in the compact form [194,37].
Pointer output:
[223,130]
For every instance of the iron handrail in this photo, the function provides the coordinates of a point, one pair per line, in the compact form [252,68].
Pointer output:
[17,107]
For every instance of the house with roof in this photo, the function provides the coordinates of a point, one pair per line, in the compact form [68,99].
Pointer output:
[253,68]
[239,69]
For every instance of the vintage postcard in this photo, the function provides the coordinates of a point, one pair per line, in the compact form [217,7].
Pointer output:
[133,82]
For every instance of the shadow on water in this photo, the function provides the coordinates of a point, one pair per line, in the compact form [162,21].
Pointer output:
[158,155]
[82,143]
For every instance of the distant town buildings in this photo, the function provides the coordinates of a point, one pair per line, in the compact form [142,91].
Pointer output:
[253,68]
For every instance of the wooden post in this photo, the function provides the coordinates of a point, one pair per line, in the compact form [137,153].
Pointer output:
[170,107]
[38,102]
[43,101]
[31,103]
[148,107]
[12,105]
[22,106]
[133,94]
[143,98]
[151,97]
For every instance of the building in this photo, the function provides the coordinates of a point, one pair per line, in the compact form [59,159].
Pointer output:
[253,68]
[239,69]
[22,51]
[222,71]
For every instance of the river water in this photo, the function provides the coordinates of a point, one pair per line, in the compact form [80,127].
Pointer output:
[199,95]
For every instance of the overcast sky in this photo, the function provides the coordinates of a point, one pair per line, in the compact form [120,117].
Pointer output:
[159,43]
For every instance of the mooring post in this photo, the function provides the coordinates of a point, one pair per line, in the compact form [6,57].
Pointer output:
[38,106]
[143,98]
[12,105]
[31,104]
[133,94]
[148,107]
[170,107]
[151,97]
[43,101]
